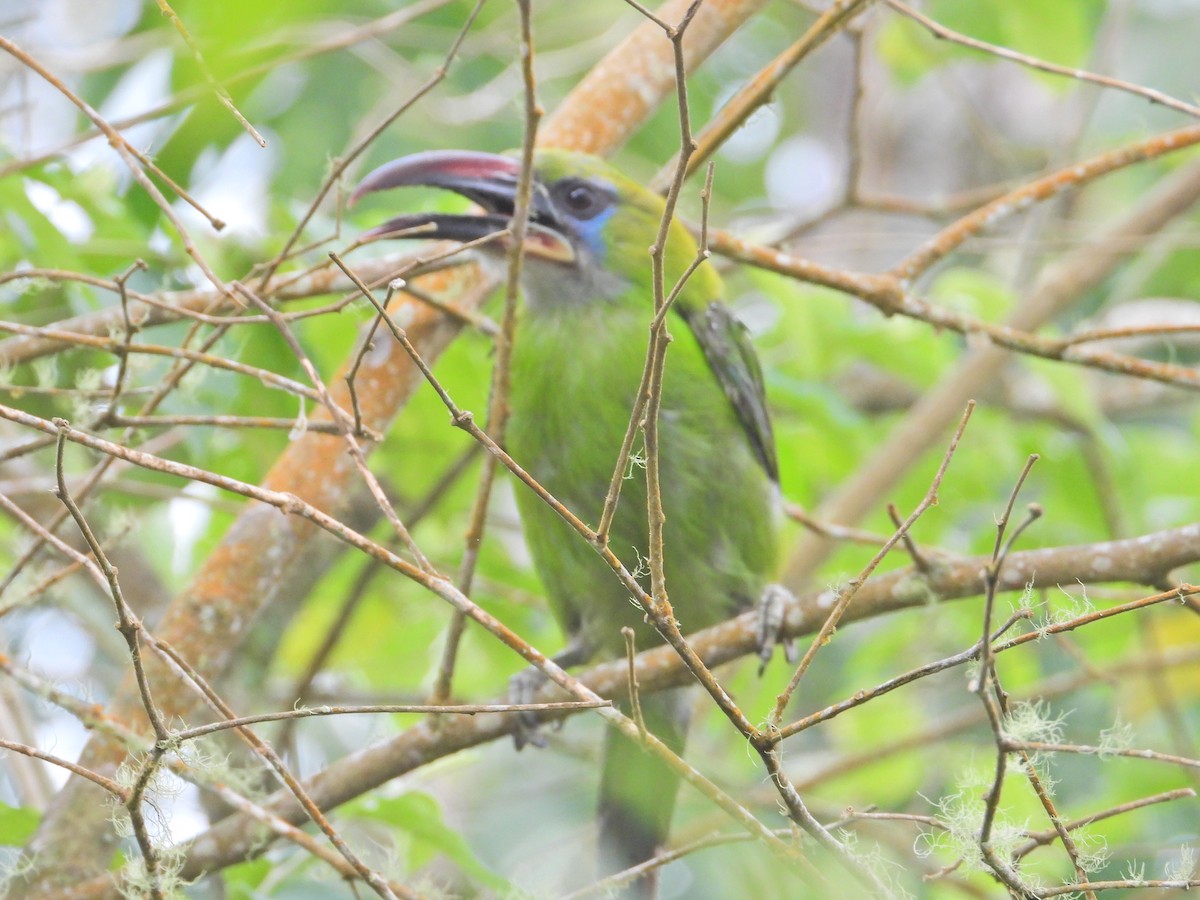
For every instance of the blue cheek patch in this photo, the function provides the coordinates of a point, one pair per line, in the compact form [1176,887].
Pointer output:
[591,232]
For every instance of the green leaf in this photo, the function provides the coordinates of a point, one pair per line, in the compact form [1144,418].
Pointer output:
[972,291]
[907,49]
[1069,385]
[419,816]
[17,824]
[1058,31]
[242,879]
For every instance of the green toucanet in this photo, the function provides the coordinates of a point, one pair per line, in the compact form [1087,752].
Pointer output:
[577,360]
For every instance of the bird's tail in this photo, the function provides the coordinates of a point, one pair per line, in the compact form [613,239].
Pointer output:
[637,790]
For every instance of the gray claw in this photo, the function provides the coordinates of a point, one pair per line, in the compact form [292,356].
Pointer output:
[772,608]
[522,688]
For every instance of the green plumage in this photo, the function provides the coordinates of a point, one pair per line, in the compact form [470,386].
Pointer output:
[575,371]
[577,362]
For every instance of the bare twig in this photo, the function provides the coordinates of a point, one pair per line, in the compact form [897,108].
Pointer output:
[497,413]
[941,31]
[846,595]
[222,94]
[340,165]
[130,629]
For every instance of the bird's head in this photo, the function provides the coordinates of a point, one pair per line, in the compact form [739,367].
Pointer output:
[589,232]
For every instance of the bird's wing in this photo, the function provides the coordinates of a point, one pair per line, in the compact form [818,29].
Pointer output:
[726,345]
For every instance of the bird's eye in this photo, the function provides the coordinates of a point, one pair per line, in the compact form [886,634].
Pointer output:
[582,200]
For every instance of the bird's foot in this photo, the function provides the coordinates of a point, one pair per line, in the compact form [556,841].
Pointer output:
[772,608]
[525,685]
[522,688]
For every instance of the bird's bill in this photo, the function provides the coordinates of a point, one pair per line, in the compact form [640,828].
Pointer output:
[488,180]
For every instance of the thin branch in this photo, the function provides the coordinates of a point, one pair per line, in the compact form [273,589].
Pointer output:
[1068,178]
[133,159]
[340,417]
[117,348]
[759,90]
[131,630]
[1043,838]
[1101,751]
[340,165]
[497,412]
[635,703]
[222,94]
[218,421]
[889,295]
[824,635]
[462,709]
[80,559]
[129,331]
[95,777]
[189,96]
[941,31]
[273,760]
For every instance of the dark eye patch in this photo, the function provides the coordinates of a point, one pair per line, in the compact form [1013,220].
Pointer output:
[582,199]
